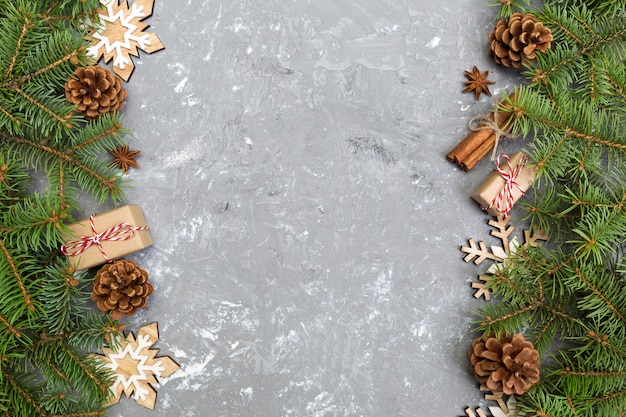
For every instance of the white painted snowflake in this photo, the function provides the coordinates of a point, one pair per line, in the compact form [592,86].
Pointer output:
[136,367]
[499,254]
[121,33]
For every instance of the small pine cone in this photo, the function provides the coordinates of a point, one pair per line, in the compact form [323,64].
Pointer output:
[95,91]
[515,40]
[122,288]
[507,364]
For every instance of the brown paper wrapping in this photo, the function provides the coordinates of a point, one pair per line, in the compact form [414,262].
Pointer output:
[493,184]
[113,249]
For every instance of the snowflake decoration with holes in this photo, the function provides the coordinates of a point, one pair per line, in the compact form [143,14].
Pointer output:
[121,33]
[136,367]
[499,254]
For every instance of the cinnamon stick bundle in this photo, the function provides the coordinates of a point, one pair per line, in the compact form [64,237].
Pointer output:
[471,143]
[480,141]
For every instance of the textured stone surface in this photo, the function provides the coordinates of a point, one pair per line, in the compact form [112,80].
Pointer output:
[306,223]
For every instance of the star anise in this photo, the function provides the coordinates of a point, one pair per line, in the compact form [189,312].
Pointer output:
[478,82]
[124,158]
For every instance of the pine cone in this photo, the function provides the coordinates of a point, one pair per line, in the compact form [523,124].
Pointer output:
[121,287]
[515,40]
[95,91]
[508,364]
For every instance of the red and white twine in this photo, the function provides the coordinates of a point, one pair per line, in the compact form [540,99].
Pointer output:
[119,232]
[503,202]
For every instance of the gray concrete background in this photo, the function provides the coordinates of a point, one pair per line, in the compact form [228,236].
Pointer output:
[306,223]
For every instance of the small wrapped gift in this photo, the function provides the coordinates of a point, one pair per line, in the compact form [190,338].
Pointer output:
[505,185]
[105,237]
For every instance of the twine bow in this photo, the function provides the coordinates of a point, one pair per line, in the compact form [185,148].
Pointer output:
[119,232]
[504,201]
[487,121]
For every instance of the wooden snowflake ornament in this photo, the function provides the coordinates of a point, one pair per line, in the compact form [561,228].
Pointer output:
[121,33]
[479,252]
[503,408]
[136,366]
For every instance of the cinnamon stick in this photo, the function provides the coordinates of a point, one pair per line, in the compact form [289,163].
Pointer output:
[502,118]
[468,145]
[479,153]
[478,143]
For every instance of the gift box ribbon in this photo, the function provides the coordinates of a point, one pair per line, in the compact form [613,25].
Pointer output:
[503,202]
[119,232]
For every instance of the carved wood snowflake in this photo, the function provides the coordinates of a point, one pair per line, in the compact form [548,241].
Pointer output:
[502,408]
[478,252]
[121,33]
[136,366]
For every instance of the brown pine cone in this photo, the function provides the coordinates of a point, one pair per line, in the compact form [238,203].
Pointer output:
[515,40]
[122,288]
[95,91]
[508,364]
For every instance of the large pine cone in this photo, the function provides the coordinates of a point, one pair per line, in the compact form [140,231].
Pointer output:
[122,288]
[95,91]
[515,40]
[507,364]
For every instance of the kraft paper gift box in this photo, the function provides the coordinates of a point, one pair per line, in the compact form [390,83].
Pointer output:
[491,194]
[119,232]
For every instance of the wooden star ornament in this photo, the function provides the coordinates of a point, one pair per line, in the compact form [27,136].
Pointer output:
[477,82]
[121,33]
[136,367]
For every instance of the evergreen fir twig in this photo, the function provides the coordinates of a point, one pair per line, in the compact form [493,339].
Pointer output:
[569,297]
[49,155]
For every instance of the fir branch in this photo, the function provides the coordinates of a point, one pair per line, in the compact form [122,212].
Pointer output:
[595,234]
[508,7]
[57,372]
[28,404]
[609,402]
[62,297]
[533,110]
[564,58]
[67,10]
[82,414]
[71,57]
[569,132]
[89,374]
[18,277]
[34,223]
[616,78]
[83,173]
[490,323]
[98,133]
[96,330]
[26,26]
[63,120]
[599,301]
[10,327]
[569,372]
[604,343]
[11,116]
[571,110]
[45,334]
[543,338]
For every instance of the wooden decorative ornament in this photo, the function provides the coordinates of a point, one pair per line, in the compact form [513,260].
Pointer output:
[121,33]
[503,408]
[478,252]
[136,366]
